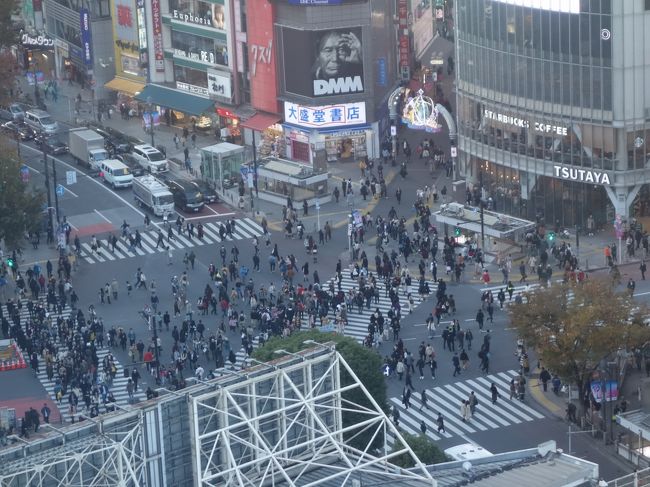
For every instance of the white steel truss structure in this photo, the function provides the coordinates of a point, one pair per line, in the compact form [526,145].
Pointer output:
[280,427]
[112,457]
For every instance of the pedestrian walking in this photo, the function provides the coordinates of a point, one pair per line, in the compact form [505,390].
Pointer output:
[544,378]
[406,397]
[472,401]
[396,415]
[424,400]
[46,412]
[440,421]
[423,427]
[494,393]
[456,363]
[464,411]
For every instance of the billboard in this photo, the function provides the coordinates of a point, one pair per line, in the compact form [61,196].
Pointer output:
[156,22]
[324,62]
[261,56]
[86,36]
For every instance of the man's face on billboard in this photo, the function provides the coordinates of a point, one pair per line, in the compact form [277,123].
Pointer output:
[331,54]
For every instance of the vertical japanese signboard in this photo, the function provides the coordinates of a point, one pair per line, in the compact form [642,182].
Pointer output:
[86,39]
[156,22]
[404,48]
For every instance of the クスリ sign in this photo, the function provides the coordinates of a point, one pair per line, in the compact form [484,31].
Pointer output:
[581,175]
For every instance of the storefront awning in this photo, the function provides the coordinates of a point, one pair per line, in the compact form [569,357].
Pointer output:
[261,121]
[124,85]
[176,100]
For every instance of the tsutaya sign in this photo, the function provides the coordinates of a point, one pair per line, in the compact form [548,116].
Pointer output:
[524,124]
[581,175]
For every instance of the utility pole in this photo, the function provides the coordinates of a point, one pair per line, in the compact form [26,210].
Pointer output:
[56,196]
[480,175]
[50,226]
[150,105]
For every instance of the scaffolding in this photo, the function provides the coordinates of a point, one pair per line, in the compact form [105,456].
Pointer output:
[278,427]
[299,421]
[111,456]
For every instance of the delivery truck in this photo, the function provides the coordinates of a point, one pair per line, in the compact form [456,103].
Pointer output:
[153,195]
[87,147]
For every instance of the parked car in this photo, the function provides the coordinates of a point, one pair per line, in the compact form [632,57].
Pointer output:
[187,195]
[209,194]
[13,112]
[132,163]
[17,129]
[51,144]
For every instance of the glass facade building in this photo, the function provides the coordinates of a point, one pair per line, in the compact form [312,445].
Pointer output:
[553,113]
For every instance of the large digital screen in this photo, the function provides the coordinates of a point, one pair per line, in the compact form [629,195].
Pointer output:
[324,62]
[566,6]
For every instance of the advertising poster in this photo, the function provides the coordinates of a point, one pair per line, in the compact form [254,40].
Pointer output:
[86,39]
[261,56]
[156,21]
[324,62]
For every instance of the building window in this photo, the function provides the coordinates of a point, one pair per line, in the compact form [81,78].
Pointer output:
[191,76]
[199,48]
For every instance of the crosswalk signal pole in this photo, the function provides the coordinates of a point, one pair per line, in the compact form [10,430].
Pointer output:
[480,175]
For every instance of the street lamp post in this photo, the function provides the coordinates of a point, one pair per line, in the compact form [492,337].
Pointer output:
[56,196]
[50,224]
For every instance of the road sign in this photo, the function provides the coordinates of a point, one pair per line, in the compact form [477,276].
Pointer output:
[60,190]
[349,229]
[70,177]
[393,130]
[317,204]
[454,152]
[24,173]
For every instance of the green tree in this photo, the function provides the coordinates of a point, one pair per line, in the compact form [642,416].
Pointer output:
[20,207]
[9,31]
[8,75]
[423,447]
[365,363]
[572,327]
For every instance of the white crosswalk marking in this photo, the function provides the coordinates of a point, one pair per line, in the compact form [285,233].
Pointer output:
[357,326]
[118,387]
[447,400]
[245,228]
[523,289]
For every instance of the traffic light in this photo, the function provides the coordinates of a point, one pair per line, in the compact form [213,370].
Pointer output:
[457,231]
[10,262]
[550,236]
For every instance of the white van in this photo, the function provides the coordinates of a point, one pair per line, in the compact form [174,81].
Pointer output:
[41,121]
[150,158]
[467,451]
[116,173]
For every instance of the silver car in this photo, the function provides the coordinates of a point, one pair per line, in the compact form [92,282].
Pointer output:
[13,112]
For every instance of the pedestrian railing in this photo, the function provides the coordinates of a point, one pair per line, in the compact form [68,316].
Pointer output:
[640,478]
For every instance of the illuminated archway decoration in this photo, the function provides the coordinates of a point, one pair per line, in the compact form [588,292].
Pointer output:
[420,113]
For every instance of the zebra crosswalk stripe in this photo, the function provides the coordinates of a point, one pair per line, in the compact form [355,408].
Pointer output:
[446,399]
[119,383]
[357,326]
[245,228]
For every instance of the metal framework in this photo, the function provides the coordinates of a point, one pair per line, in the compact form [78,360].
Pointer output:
[277,427]
[112,457]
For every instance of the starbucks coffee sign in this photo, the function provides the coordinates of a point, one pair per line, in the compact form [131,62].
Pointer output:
[581,175]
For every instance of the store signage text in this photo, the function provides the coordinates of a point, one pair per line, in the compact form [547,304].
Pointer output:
[44,41]
[86,39]
[582,175]
[156,22]
[204,56]
[325,116]
[219,84]
[195,90]
[524,124]
[261,54]
[191,18]
[347,84]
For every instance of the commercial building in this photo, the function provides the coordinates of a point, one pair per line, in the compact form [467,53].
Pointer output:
[553,107]
[82,33]
[337,65]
